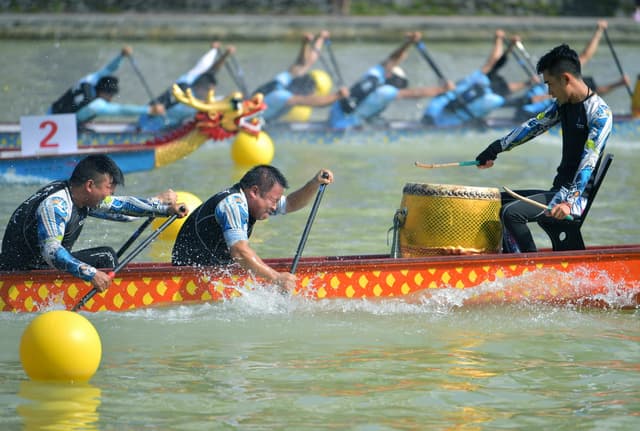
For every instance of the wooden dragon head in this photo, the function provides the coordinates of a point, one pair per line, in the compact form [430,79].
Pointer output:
[220,119]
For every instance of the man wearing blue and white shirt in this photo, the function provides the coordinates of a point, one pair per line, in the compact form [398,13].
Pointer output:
[217,232]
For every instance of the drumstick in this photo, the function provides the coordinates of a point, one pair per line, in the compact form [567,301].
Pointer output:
[446,165]
[531,201]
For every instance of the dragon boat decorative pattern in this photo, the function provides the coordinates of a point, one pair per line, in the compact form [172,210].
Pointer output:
[601,277]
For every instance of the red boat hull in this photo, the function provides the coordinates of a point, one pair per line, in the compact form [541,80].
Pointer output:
[587,278]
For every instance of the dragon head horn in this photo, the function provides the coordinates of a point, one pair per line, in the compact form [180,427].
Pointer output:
[189,99]
[232,102]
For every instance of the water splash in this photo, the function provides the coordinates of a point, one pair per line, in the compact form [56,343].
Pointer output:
[12,178]
[540,291]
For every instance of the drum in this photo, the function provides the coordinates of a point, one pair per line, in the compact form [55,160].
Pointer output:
[449,219]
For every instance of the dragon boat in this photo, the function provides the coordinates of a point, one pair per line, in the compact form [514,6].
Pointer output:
[133,152]
[422,265]
[605,276]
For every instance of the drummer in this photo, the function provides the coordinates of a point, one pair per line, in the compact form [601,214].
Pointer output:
[44,228]
[218,231]
[586,122]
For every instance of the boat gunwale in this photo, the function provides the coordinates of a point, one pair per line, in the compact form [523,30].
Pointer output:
[98,149]
[366,262]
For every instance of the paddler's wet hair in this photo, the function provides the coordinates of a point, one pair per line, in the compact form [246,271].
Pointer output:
[304,85]
[561,59]
[107,85]
[91,167]
[263,176]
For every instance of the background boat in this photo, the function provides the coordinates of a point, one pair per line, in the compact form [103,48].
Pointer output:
[101,134]
[311,132]
[131,155]
[165,148]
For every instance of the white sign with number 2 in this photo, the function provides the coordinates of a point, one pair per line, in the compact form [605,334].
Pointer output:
[48,134]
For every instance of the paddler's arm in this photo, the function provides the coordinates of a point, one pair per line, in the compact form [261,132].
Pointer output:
[301,197]
[231,49]
[592,46]
[244,255]
[317,99]
[115,207]
[397,56]
[100,107]
[420,92]
[51,221]
[110,68]
[607,88]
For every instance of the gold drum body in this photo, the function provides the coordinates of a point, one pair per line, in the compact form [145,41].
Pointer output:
[449,219]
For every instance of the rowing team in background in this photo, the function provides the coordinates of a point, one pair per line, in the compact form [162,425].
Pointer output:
[43,229]
[471,99]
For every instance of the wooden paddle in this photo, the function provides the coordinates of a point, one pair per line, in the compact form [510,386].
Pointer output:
[422,49]
[520,47]
[135,236]
[527,66]
[334,63]
[127,259]
[615,58]
[531,201]
[141,76]
[237,74]
[335,71]
[307,228]
[446,165]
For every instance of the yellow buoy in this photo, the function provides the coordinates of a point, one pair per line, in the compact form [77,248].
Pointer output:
[322,80]
[297,114]
[250,150]
[323,86]
[171,232]
[60,346]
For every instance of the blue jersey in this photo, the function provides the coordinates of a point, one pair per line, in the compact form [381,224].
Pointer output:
[84,91]
[586,127]
[232,214]
[472,98]
[100,107]
[370,96]
[276,95]
[210,231]
[43,230]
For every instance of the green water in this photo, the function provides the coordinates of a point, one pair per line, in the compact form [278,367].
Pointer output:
[263,362]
